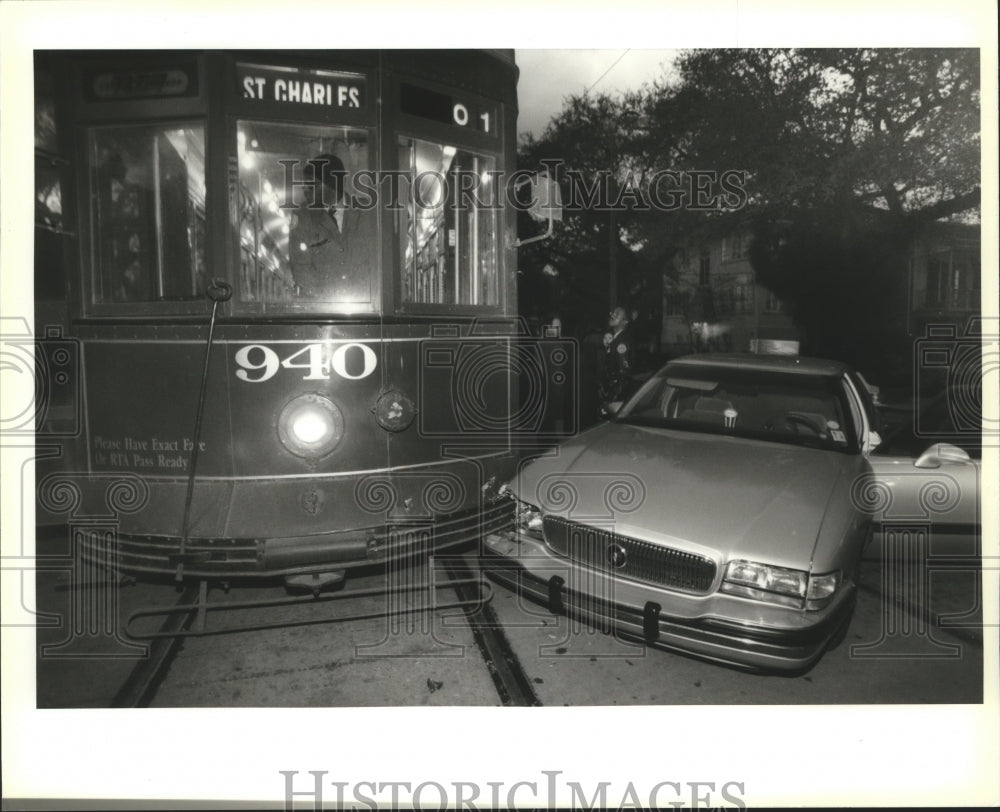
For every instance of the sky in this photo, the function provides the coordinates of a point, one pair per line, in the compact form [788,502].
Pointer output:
[549,76]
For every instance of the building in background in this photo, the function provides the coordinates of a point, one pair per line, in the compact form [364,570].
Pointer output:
[944,278]
[712,302]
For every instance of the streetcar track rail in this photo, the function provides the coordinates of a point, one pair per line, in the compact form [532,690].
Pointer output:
[512,684]
[140,686]
[187,618]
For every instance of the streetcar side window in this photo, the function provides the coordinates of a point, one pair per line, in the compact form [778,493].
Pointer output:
[147,188]
[52,229]
[307,230]
[48,162]
[449,244]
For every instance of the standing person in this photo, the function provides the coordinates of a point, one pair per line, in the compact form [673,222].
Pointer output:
[331,246]
[552,328]
[617,360]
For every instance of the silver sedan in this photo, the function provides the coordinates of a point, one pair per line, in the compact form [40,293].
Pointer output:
[723,512]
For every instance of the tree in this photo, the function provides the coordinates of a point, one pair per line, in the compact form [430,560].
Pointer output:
[590,261]
[894,130]
[849,155]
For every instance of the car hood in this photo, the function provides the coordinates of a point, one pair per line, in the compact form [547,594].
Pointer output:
[719,496]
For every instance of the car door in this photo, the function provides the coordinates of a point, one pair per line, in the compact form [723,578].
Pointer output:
[926,491]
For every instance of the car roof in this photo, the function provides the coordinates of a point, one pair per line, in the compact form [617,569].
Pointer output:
[766,363]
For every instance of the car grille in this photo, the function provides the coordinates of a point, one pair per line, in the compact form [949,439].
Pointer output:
[633,559]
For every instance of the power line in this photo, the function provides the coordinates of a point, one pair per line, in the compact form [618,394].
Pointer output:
[619,59]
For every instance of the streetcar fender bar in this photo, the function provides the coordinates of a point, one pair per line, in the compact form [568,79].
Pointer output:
[483,594]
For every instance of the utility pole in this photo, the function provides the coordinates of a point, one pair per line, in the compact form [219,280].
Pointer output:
[612,260]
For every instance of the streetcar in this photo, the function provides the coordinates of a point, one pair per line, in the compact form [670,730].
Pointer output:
[275,302]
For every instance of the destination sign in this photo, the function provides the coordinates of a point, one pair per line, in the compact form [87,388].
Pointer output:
[143,83]
[446,108]
[301,87]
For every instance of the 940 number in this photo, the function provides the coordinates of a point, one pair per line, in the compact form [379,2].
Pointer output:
[258,362]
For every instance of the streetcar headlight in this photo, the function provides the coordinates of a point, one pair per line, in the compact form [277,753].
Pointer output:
[310,426]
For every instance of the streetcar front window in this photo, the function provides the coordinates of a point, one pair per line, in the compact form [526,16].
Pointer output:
[147,187]
[307,234]
[449,251]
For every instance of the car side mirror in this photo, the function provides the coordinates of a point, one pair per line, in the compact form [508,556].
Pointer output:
[546,204]
[614,407]
[939,454]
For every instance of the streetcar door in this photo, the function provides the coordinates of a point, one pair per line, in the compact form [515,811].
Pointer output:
[449,385]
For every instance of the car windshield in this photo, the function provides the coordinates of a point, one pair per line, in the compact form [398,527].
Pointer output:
[784,407]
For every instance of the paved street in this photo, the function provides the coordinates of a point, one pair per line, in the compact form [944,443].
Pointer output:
[894,652]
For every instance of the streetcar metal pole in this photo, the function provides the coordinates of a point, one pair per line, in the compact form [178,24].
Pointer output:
[218,291]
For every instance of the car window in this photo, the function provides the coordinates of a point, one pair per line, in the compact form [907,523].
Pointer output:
[786,407]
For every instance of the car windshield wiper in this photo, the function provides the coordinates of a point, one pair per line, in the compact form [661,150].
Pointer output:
[676,425]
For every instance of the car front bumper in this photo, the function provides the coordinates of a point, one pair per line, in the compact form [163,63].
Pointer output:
[767,639]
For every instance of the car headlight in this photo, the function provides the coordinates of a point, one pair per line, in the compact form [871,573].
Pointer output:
[781,585]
